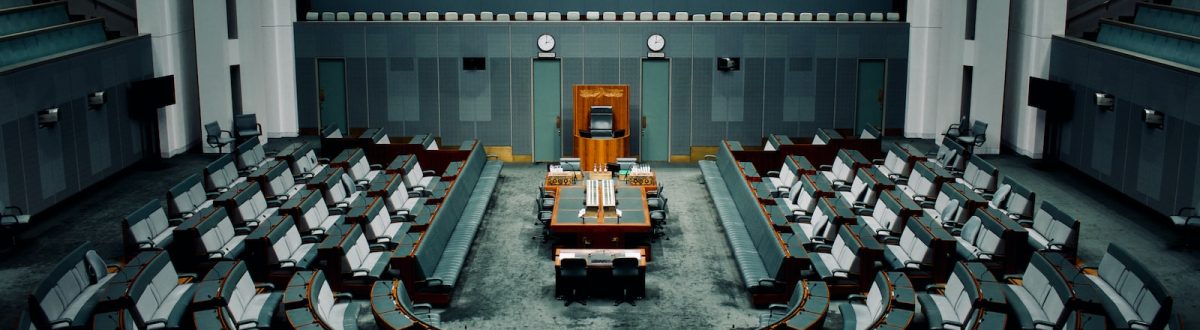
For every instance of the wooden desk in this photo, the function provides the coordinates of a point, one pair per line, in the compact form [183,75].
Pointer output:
[599,266]
[600,228]
[600,258]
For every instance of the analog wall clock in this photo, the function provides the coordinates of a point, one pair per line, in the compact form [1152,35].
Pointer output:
[656,42]
[545,43]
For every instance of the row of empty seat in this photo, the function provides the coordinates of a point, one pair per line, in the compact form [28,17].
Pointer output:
[254,222]
[950,220]
[37,31]
[599,16]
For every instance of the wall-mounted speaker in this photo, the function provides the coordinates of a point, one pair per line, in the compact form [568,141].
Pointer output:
[474,63]
[1104,101]
[726,64]
[47,117]
[96,100]
[1154,119]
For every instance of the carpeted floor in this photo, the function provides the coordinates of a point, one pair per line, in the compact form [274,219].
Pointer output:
[691,283]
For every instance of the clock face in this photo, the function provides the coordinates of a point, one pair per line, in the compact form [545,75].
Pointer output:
[545,43]
[656,42]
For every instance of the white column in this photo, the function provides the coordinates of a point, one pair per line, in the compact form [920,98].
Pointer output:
[956,52]
[987,87]
[169,23]
[272,60]
[1032,24]
[925,27]
[212,64]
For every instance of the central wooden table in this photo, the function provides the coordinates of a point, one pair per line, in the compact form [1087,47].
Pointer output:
[599,228]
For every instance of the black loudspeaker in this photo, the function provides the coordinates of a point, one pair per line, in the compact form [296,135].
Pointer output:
[148,95]
[474,63]
[726,64]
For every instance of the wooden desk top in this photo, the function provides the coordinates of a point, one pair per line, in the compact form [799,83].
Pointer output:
[600,258]
[630,200]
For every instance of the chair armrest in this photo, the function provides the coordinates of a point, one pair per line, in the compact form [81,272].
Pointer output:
[878,161]
[773,173]
[857,297]
[433,282]
[766,281]
[1010,277]
[891,240]
[952,127]
[211,195]
[1046,323]
[710,157]
[343,295]
[378,247]
[773,307]
[932,287]
[1025,222]
[216,254]
[376,167]
[174,221]
[825,167]
[865,211]
[322,160]
[242,231]
[427,307]
[266,286]
[428,172]
[822,248]
[186,275]
[11,207]
[247,322]
[310,239]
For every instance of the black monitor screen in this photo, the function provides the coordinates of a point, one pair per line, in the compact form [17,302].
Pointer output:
[1049,95]
[152,93]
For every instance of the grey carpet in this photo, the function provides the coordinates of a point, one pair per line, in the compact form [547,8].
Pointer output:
[508,281]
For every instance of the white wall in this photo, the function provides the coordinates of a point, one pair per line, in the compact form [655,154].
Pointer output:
[169,23]
[1033,22]
[990,60]
[212,64]
[268,66]
[938,51]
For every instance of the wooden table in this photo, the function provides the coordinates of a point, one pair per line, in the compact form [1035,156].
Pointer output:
[599,266]
[600,227]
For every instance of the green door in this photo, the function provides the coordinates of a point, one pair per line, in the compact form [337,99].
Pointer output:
[871,91]
[656,110]
[547,108]
[331,93]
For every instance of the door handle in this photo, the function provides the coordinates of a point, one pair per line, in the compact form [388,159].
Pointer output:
[643,122]
[558,122]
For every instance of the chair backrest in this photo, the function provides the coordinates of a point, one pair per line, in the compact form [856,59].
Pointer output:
[879,299]
[573,263]
[66,283]
[979,129]
[220,173]
[625,263]
[962,291]
[152,287]
[1020,200]
[215,232]
[1048,287]
[285,240]
[981,174]
[313,208]
[213,131]
[147,223]
[185,196]
[245,123]
[1134,283]
[1056,226]
[984,233]
[249,153]
[250,203]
